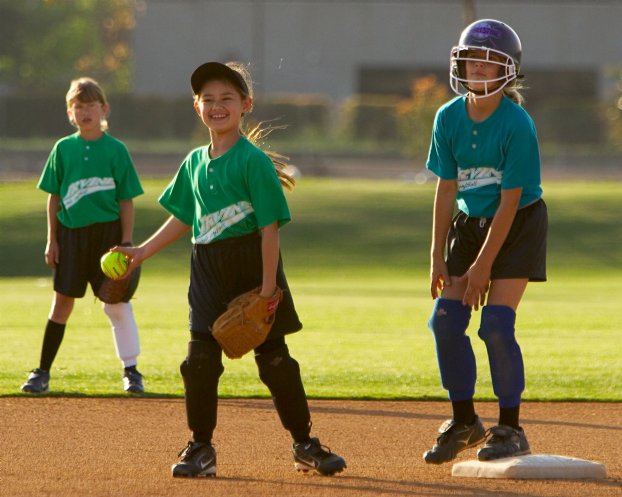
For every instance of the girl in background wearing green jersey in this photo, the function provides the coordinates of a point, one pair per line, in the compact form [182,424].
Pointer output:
[229,195]
[91,181]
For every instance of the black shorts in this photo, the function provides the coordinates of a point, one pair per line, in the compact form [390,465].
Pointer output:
[522,255]
[223,270]
[80,250]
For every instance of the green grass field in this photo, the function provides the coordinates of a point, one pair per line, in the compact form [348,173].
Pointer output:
[356,257]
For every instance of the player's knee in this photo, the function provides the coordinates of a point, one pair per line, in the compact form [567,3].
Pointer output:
[203,363]
[274,362]
[115,311]
[62,306]
[449,319]
[497,326]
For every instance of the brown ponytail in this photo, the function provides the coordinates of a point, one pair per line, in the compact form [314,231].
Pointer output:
[256,136]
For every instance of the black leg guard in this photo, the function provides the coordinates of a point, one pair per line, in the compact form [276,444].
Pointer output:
[281,374]
[201,372]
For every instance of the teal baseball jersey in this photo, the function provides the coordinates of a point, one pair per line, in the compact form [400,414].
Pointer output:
[90,177]
[232,195]
[485,157]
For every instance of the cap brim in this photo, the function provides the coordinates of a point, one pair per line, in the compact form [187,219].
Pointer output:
[215,70]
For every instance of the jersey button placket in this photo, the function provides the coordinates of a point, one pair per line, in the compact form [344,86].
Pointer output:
[86,153]
[210,179]
[473,143]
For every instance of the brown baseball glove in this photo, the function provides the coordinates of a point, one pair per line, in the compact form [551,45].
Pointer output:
[115,291]
[246,322]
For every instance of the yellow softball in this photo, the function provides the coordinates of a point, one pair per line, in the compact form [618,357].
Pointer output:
[114,264]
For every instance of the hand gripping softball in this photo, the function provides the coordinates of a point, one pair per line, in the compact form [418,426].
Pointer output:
[246,322]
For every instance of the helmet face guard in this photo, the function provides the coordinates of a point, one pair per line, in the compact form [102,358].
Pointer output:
[496,43]
[457,71]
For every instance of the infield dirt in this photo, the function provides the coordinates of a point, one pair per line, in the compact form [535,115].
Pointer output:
[70,447]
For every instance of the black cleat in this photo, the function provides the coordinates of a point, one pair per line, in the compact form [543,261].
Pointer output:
[454,438]
[505,442]
[38,382]
[196,459]
[312,455]
[133,381]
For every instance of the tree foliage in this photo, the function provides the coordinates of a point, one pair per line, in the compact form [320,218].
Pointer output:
[46,43]
[416,115]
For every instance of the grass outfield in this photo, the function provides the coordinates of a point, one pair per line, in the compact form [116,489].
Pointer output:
[356,256]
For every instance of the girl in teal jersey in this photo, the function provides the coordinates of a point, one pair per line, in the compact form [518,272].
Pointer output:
[484,151]
[91,181]
[228,194]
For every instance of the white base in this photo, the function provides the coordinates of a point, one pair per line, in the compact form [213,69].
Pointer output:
[541,466]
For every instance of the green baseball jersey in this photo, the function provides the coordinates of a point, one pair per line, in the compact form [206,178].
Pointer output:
[232,195]
[90,177]
[485,157]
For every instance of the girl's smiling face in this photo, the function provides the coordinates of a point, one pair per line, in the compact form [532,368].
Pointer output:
[221,106]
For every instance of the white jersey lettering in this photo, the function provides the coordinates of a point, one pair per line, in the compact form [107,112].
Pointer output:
[215,223]
[476,177]
[84,187]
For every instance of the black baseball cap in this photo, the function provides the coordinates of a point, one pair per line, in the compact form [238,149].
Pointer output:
[216,70]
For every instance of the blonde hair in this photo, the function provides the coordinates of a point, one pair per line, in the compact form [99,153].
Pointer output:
[86,90]
[258,133]
[513,92]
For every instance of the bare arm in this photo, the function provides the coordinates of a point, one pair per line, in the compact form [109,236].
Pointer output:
[51,248]
[443,212]
[171,230]
[127,220]
[478,275]
[270,258]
